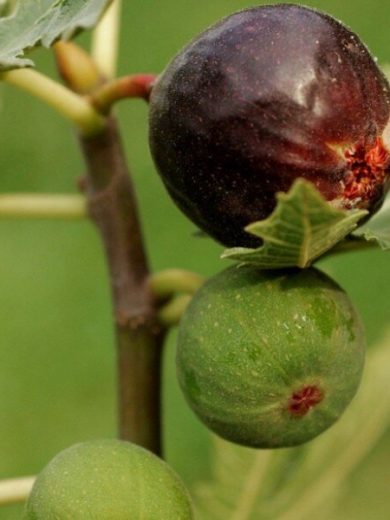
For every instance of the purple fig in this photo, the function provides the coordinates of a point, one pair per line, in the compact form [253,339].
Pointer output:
[263,97]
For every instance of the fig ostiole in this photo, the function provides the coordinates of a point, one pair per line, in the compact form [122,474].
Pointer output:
[106,480]
[265,96]
[270,359]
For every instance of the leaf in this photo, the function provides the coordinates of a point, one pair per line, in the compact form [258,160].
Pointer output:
[377,229]
[304,482]
[42,22]
[302,227]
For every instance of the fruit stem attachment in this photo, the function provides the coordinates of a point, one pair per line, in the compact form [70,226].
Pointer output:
[31,205]
[69,104]
[15,490]
[170,314]
[105,40]
[132,86]
[112,206]
[166,283]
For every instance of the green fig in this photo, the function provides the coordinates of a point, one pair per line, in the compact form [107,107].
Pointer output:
[270,359]
[108,480]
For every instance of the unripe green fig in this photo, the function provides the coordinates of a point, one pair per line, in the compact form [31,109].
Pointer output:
[270,359]
[108,480]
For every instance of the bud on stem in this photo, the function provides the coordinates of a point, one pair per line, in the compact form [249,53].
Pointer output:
[76,67]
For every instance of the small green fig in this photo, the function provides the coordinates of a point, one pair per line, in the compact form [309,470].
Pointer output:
[270,359]
[108,480]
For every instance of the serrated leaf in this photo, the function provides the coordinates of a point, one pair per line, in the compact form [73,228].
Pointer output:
[302,227]
[42,22]
[303,482]
[377,229]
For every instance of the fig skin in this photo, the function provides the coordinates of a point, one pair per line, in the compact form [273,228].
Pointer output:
[270,359]
[268,95]
[107,479]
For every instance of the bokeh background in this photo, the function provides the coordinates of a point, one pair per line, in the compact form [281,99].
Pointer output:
[57,359]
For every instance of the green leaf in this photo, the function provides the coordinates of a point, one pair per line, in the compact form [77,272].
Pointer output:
[305,482]
[377,229]
[27,23]
[302,227]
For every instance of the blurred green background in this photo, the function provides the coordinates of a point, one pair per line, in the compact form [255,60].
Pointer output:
[57,361]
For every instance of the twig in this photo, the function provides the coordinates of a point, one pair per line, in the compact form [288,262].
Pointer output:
[15,490]
[31,205]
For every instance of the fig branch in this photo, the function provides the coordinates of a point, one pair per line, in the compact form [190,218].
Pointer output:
[112,207]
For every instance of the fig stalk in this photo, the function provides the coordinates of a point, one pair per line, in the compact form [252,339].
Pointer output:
[132,86]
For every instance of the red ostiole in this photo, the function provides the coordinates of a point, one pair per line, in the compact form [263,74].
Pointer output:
[302,401]
[368,170]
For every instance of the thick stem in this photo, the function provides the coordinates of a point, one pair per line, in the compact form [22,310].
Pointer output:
[112,206]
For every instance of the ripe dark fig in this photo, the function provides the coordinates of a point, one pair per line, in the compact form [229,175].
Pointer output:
[267,95]
[270,382]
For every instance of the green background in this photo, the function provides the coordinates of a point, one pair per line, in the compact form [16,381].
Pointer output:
[57,362]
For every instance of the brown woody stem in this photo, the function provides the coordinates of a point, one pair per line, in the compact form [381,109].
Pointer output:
[112,206]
